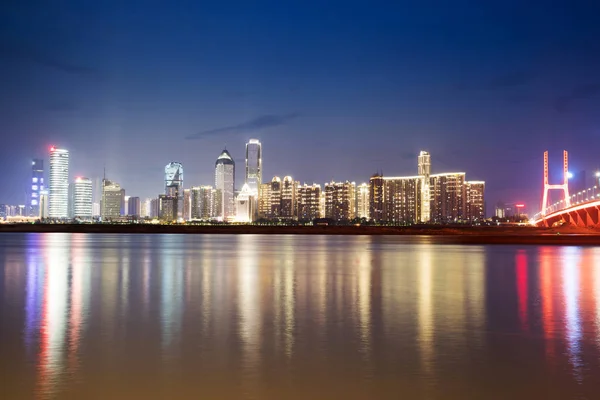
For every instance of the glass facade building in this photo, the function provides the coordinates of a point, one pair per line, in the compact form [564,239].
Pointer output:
[58,201]
[253,165]
[225,184]
[81,198]
[37,185]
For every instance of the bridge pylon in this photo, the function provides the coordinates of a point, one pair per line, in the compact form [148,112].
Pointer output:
[564,186]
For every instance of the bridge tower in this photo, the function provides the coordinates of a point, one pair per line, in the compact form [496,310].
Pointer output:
[564,186]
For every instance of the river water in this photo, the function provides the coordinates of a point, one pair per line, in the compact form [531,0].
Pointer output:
[93,316]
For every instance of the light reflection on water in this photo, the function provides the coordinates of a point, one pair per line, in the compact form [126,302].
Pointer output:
[182,316]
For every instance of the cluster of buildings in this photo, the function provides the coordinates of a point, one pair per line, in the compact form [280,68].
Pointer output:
[422,198]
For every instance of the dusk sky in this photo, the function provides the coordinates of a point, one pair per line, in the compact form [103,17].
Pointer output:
[334,90]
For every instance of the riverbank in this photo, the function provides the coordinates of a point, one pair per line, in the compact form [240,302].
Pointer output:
[437,234]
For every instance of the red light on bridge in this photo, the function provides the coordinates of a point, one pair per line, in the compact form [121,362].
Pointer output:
[520,205]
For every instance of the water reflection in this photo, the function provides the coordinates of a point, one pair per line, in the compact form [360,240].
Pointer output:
[287,317]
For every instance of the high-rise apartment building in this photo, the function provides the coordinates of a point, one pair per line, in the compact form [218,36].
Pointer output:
[474,199]
[340,200]
[225,184]
[376,198]
[80,202]
[37,185]
[253,165]
[424,172]
[174,186]
[309,198]
[187,204]
[113,197]
[58,201]
[203,203]
[167,208]
[402,199]
[362,201]
[44,207]
[264,200]
[447,197]
[287,209]
[275,198]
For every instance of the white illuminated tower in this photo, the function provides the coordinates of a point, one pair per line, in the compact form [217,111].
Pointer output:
[174,185]
[225,184]
[82,198]
[58,200]
[424,167]
[253,165]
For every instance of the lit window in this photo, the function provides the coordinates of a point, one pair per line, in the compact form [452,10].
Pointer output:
[34,187]
[34,180]
[34,202]
[34,195]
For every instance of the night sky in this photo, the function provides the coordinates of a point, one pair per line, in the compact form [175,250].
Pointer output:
[333,91]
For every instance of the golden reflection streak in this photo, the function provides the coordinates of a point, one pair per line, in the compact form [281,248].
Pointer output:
[364,302]
[54,320]
[172,288]
[426,329]
[596,266]
[249,328]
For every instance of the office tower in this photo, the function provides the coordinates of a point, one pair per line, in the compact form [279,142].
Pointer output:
[475,200]
[58,202]
[125,207]
[203,203]
[264,200]
[424,172]
[340,200]
[309,198]
[362,201]
[112,200]
[81,199]
[134,207]
[288,198]
[244,205]
[153,208]
[225,184]
[37,185]
[95,208]
[376,199]
[167,208]
[174,186]
[447,197]
[253,165]
[145,208]
[187,204]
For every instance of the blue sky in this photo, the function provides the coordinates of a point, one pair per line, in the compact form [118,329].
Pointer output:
[334,91]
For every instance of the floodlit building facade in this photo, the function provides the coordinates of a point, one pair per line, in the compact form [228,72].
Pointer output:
[362,201]
[253,165]
[448,197]
[309,199]
[113,197]
[424,172]
[340,200]
[37,185]
[287,209]
[264,200]
[58,201]
[81,198]
[474,198]
[225,184]
[244,204]
[203,203]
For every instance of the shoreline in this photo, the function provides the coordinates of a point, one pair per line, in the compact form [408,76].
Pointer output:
[436,234]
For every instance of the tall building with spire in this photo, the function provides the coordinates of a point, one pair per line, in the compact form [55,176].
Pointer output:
[253,165]
[225,184]
[58,199]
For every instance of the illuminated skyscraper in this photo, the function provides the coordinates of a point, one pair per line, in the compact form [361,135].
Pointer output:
[424,172]
[275,197]
[362,201]
[37,185]
[447,197]
[253,165]
[244,205]
[264,200]
[134,208]
[187,204]
[174,186]
[475,200]
[81,198]
[288,206]
[58,202]
[112,200]
[340,200]
[309,198]
[203,203]
[225,183]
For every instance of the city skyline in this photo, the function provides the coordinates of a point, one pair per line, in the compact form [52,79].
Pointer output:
[354,91]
